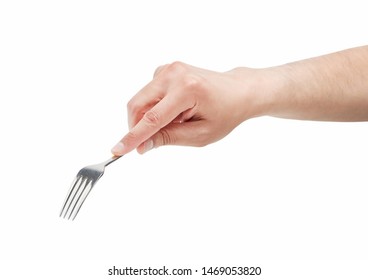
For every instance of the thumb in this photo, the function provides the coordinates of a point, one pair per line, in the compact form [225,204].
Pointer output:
[182,134]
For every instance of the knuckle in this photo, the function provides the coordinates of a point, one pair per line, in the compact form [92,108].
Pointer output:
[159,69]
[166,137]
[151,118]
[132,106]
[176,67]
[192,83]
[201,144]
[130,138]
[203,137]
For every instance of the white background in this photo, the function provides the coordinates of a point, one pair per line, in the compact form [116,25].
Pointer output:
[289,196]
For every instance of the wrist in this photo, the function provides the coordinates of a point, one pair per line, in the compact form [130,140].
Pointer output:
[260,90]
[275,90]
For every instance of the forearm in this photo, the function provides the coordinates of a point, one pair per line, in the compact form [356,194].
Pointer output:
[333,87]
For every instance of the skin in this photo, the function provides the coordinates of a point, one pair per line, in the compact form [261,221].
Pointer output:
[186,105]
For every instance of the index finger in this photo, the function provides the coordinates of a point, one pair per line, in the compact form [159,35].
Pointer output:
[143,101]
[147,97]
[164,112]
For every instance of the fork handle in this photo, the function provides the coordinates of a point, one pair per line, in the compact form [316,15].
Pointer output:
[111,160]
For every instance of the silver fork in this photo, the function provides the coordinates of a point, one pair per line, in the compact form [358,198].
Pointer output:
[81,187]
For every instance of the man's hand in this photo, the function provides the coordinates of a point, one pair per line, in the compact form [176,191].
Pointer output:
[185,105]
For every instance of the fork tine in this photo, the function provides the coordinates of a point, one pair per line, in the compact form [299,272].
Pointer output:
[86,188]
[69,196]
[75,197]
[81,199]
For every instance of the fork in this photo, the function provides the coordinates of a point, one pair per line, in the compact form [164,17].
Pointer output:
[81,187]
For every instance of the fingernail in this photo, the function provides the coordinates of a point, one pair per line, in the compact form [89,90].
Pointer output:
[148,145]
[118,149]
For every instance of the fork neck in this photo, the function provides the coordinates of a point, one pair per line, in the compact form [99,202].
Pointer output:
[111,160]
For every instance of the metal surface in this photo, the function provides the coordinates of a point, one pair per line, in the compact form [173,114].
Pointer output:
[81,187]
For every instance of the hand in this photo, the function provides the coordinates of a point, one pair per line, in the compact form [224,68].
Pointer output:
[185,105]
